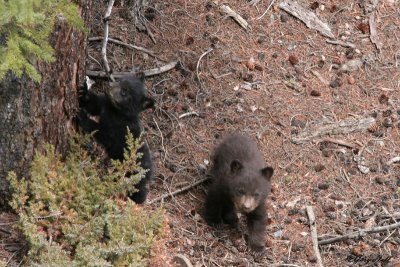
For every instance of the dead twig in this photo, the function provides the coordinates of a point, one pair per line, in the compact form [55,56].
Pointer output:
[147,73]
[268,8]
[188,114]
[360,233]
[198,64]
[138,48]
[309,18]
[181,190]
[239,19]
[319,76]
[314,235]
[339,42]
[337,141]
[347,179]
[105,39]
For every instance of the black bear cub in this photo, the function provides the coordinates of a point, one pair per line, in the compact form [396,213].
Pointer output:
[116,110]
[240,183]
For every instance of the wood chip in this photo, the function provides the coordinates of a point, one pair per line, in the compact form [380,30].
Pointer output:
[308,17]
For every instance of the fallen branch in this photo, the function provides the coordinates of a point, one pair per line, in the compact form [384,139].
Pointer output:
[105,39]
[147,73]
[181,190]
[239,19]
[359,234]
[139,48]
[313,228]
[342,127]
[308,17]
[339,42]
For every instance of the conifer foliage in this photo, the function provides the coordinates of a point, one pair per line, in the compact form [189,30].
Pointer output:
[25,26]
[73,215]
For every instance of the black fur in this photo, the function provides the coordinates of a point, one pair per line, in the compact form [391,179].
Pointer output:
[116,110]
[239,172]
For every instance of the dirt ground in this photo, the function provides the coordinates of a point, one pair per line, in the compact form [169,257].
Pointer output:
[288,88]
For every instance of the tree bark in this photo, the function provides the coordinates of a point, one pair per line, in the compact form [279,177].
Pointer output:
[32,113]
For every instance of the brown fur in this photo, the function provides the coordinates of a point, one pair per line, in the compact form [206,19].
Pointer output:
[241,183]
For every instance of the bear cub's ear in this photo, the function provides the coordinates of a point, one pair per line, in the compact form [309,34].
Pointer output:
[267,172]
[236,166]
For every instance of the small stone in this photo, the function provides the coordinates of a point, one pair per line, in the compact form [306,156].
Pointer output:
[302,220]
[312,259]
[350,53]
[319,167]
[298,247]
[292,212]
[351,80]
[284,17]
[261,39]
[323,186]
[315,93]
[298,123]
[336,83]
[331,215]
[287,221]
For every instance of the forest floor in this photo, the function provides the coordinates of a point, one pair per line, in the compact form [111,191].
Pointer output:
[326,116]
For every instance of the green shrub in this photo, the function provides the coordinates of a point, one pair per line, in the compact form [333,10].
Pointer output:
[72,214]
[26,26]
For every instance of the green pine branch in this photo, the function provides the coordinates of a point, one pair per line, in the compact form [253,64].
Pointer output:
[25,25]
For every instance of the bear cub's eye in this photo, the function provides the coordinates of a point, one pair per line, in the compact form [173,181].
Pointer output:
[240,192]
[123,92]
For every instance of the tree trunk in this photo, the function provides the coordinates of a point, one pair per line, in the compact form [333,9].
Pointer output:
[32,113]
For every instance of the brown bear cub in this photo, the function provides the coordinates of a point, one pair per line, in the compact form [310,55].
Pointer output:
[240,183]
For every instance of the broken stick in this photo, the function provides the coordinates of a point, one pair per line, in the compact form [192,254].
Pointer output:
[359,234]
[147,73]
[139,48]
[313,228]
[181,190]
[239,19]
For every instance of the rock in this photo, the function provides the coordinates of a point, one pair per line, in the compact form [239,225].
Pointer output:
[319,167]
[336,83]
[323,186]
[284,17]
[379,180]
[181,261]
